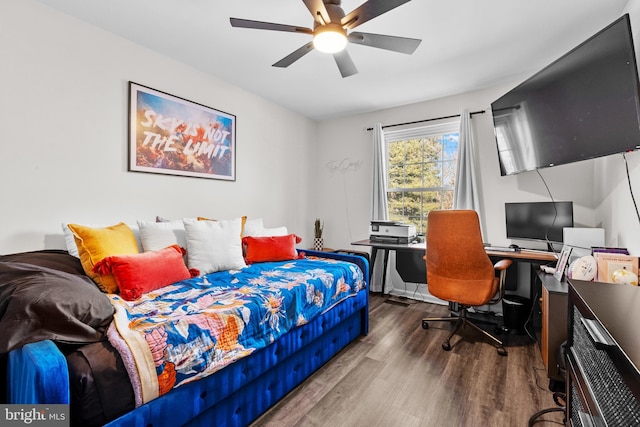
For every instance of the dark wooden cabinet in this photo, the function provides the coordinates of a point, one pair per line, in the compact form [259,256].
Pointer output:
[603,354]
[553,308]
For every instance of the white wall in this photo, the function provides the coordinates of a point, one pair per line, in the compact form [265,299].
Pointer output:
[63,124]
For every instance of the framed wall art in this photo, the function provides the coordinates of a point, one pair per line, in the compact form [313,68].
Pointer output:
[173,136]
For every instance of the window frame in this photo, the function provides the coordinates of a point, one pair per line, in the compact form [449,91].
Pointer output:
[440,129]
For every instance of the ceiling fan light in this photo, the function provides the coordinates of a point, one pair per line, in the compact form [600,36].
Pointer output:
[330,39]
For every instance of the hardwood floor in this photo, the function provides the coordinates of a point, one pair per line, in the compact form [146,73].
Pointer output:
[398,375]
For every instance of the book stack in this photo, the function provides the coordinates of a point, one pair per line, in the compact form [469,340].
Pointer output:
[615,265]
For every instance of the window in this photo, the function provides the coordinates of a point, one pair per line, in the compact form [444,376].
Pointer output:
[422,172]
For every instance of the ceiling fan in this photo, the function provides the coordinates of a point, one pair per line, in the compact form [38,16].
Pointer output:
[332,30]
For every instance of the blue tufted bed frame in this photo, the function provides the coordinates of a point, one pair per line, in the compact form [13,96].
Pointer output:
[233,396]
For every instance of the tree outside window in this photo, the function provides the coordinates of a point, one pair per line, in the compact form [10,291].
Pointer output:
[422,174]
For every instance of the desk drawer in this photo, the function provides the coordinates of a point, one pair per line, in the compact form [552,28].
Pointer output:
[616,403]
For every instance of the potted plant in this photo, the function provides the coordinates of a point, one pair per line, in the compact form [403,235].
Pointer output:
[318,242]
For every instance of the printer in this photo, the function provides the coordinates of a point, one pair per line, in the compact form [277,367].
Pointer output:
[391,232]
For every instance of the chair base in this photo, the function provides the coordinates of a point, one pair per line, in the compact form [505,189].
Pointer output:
[461,322]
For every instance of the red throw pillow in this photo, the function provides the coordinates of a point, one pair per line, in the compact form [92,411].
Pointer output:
[271,248]
[144,272]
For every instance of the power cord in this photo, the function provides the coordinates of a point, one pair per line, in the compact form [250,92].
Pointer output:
[635,205]
[555,216]
[558,398]
[535,374]
[530,317]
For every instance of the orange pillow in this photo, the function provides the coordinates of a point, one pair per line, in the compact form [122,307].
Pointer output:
[271,248]
[147,271]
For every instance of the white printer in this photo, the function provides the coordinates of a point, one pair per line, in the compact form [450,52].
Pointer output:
[391,232]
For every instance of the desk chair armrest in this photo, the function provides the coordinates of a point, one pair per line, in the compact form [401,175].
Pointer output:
[501,266]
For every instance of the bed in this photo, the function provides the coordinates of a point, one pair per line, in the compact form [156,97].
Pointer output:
[239,369]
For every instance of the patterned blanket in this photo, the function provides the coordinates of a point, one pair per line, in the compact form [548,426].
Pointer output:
[190,329]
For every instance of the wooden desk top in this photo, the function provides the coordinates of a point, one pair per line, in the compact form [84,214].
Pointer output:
[522,255]
[395,246]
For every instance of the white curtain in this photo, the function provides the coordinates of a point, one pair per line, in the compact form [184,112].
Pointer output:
[466,195]
[379,209]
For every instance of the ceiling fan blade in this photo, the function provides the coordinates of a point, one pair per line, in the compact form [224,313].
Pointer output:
[259,25]
[345,64]
[396,44]
[294,56]
[369,10]
[318,10]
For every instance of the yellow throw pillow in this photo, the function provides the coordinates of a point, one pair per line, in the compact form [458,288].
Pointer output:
[95,244]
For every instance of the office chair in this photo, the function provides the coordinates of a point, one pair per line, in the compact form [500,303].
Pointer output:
[459,270]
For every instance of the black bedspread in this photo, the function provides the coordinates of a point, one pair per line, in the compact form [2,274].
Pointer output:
[43,295]
[100,387]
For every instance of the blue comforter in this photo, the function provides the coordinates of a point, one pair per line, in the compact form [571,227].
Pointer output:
[193,328]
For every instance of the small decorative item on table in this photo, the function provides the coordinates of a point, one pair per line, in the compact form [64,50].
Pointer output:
[318,242]
[562,262]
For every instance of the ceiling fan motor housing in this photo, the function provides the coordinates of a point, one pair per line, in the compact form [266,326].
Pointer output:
[334,11]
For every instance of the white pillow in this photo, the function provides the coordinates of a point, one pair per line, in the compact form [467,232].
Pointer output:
[255,228]
[267,232]
[251,225]
[70,241]
[158,235]
[214,245]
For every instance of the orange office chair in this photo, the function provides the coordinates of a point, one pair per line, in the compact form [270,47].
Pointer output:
[459,270]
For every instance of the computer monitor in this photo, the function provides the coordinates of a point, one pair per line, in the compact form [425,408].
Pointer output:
[541,221]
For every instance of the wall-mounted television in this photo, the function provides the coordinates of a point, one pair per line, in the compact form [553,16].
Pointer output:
[582,106]
[542,221]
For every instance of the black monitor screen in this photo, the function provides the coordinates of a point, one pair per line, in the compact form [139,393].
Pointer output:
[538,220]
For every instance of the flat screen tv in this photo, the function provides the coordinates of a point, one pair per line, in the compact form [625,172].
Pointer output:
[582,106]
[543,221]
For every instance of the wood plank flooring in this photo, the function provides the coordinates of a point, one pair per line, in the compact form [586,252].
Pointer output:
[398,375]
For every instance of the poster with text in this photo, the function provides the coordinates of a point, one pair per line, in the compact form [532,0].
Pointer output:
[170,135]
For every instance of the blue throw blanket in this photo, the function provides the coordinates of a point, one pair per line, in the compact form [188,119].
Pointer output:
[193,328]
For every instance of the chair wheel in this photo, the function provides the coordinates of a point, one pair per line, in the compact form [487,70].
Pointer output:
[446,346]
[425,324]
[502,351]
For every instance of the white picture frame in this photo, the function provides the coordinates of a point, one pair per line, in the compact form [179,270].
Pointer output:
[562,262]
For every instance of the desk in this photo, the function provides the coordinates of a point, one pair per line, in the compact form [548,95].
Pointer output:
[416,248]
[524,255]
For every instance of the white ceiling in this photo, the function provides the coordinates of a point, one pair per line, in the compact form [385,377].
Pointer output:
[466,45]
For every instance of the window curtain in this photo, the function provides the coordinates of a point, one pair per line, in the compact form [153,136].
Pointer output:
[466,195]
[379,203]
[379,208]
